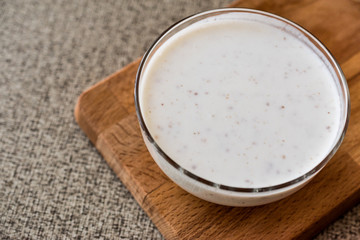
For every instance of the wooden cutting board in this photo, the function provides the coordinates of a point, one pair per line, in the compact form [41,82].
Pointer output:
[106,114]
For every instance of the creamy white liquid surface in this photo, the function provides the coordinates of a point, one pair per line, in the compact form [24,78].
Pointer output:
[240,102]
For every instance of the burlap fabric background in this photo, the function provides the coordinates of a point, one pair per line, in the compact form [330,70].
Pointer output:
[53,182]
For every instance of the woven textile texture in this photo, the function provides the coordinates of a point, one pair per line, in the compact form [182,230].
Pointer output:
[53,182]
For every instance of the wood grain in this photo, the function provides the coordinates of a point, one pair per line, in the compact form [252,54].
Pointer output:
[106,114]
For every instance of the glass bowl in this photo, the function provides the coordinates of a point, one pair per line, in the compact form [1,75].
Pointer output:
[220,193]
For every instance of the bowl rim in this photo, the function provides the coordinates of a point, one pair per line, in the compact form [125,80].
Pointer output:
[319,45]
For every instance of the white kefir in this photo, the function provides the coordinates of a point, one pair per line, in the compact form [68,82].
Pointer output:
[241,100]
